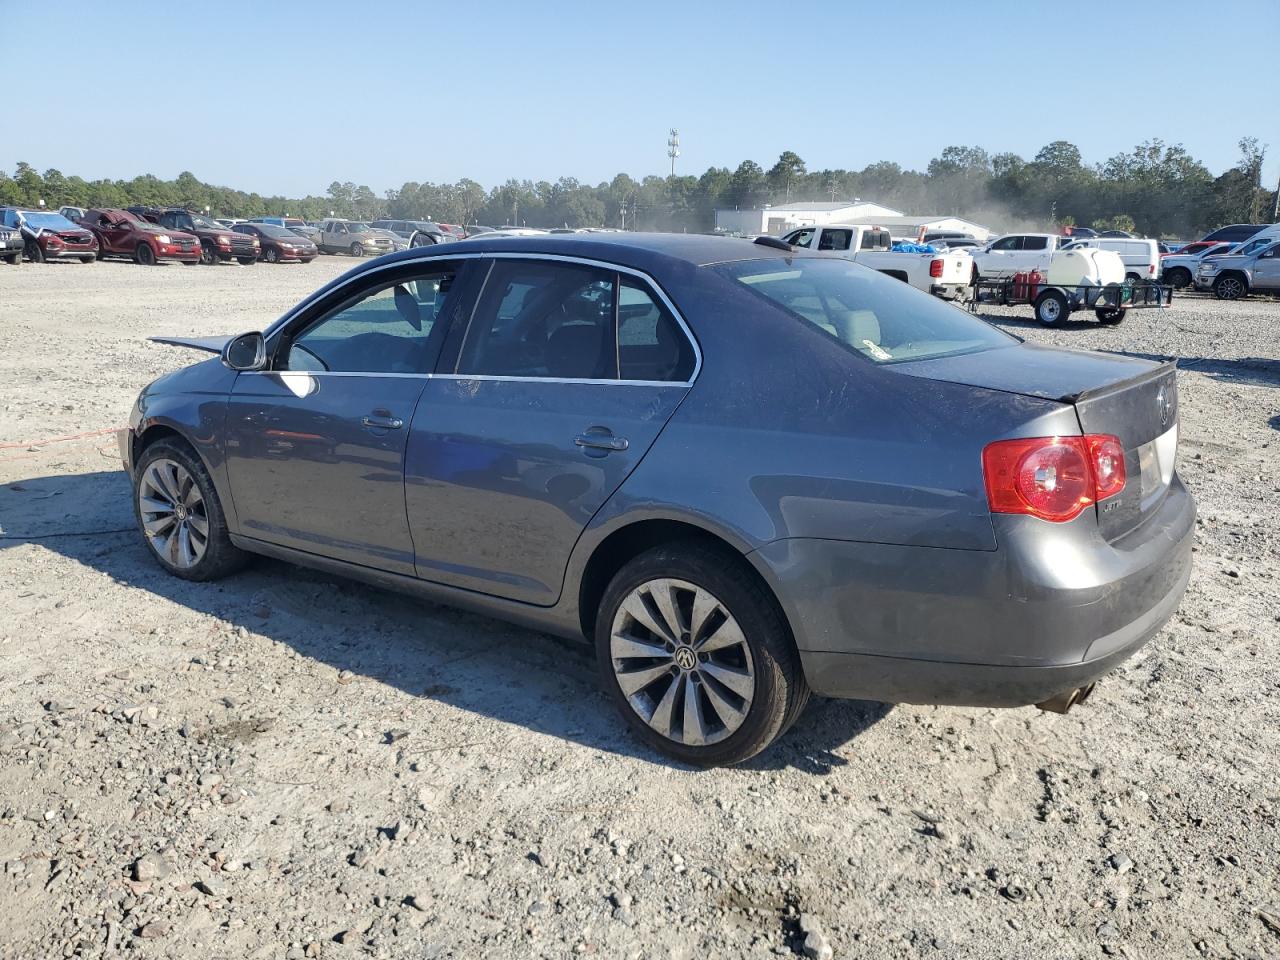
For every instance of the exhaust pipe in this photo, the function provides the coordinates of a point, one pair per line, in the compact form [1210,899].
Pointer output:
[1062,702]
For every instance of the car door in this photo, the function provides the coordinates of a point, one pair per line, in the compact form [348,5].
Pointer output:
[1000,260]
[566,375]
[1266,269]
[1034,254]
[316,444]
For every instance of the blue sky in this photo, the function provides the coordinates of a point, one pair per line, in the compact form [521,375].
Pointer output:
[284,97]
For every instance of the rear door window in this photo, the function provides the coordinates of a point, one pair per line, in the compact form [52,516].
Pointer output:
[543,320]
[651,344]
[835,239]
[1035,243]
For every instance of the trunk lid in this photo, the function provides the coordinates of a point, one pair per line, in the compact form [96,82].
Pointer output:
[1135,400]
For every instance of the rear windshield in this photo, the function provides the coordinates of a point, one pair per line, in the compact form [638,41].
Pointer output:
[881,318]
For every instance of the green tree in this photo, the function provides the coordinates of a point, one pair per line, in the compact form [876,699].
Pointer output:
[784,174]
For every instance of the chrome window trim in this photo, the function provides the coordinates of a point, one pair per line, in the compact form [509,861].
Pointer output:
[276,328]
[464,377]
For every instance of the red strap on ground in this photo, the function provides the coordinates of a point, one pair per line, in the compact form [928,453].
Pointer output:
[74,436]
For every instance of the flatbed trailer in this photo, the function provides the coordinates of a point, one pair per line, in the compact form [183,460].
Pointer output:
[1054,302]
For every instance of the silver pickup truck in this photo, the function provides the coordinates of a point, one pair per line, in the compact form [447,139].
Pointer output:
[1237,275]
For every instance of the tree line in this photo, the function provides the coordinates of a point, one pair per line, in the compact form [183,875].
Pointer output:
[1157,189]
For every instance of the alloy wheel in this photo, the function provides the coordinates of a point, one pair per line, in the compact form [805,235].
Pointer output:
[682,662]
[173,513]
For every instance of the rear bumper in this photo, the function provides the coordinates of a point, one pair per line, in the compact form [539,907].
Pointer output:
[1053,608]
[949,291]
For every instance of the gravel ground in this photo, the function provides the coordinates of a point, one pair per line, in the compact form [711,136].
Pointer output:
[287,765]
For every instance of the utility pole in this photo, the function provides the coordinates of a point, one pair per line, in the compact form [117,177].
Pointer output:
[673,148]
[1275,214]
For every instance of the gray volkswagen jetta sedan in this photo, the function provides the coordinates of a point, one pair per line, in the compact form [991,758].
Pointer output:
[743,471]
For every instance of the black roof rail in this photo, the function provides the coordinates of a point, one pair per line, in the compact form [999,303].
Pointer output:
[773,242]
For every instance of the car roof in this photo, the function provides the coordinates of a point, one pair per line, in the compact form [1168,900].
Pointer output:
[642,251]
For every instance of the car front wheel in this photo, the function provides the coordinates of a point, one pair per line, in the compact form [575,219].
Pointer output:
[697,656]
[34,253]
[1229,288]
[357,250]
[145,255]
[180,516]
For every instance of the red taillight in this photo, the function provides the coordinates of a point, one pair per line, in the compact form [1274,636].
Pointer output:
[935,268]
[1053,478]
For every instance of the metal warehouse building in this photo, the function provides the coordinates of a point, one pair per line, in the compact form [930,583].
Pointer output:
[789,216]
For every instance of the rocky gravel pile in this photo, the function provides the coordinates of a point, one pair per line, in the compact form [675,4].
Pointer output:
[289,765]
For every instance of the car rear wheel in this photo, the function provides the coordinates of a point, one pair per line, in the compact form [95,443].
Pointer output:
[1051,307]
[145,255]
[1229,288]
[1131,279]
[697,657]
[1110,315]
[13,258]
[180,516]
[34,253]
[357,250]
[1178,278]
[270,255]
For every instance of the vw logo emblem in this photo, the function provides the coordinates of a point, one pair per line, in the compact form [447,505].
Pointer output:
[1164,403]
[685,658]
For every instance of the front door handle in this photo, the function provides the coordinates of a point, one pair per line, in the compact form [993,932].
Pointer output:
[601,441]
[380,422]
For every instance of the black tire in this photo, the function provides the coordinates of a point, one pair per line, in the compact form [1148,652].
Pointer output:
[145,255]
[271,255]
[1110,315]
[357,249]
[780,691]
[208,255]
[220,557]
[1178,277]
[246,261]
[89,259]
[1132,279]
[1230,287]
[1051,308]
[13,259]
[33,252]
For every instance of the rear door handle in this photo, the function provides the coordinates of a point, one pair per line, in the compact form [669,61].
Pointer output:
[378,422]
[601,441]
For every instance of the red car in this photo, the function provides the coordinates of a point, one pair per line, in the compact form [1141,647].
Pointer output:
[50,236]
[279,244]
[123,234]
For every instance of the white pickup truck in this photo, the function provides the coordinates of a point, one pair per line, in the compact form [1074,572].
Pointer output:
[945,275]
[1017,253]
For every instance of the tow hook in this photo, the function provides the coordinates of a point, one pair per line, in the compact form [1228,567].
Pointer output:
[1062,702]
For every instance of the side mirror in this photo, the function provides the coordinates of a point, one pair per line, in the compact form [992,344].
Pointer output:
[245,352]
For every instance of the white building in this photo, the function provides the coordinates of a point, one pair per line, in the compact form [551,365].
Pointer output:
[789,216]
[909,228]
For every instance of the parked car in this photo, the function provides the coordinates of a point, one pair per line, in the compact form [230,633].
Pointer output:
[956,244]
[218,244]
[12,244]
[298,226]
[1237,232]
[415,233]
[1237,275]
[50,236]
[353,237]
[1194,248]
[72,213]
[933,236]
[279,244]
[124,234]
[229,222]
[1141,257]
[1118,235]
[945,275]
[1178,270]
[1017,253]
[476,229]
[1079,233]
[454,230]
[975,521]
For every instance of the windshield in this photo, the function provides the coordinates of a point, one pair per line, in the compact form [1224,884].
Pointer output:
[880,317]
[294,222]
[48,221]
[205,222]
[358,227]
